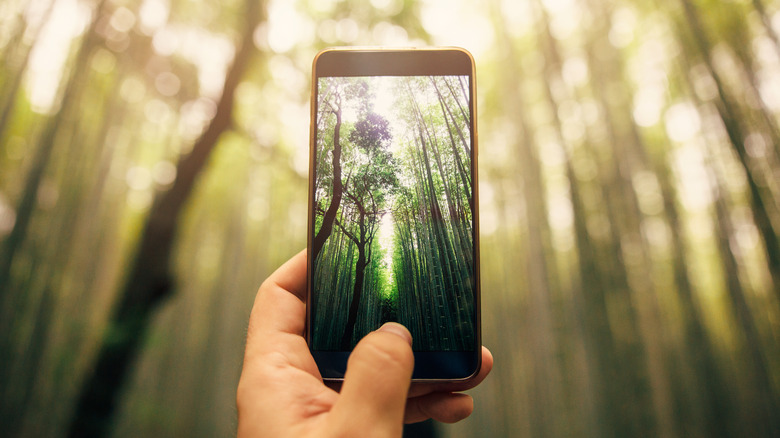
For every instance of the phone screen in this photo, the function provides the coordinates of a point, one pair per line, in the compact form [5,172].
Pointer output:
[393,228]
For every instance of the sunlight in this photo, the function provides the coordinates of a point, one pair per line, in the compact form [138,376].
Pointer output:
[7,216]
[211,53]
[454,23]
[48,57]
[384,104]
[153,15]
[682,121]
[287,27]
[690,165]
[387,243]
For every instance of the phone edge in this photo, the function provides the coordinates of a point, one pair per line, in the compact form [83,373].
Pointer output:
[475,198]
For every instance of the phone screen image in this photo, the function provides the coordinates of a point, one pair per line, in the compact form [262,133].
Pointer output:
[393,230]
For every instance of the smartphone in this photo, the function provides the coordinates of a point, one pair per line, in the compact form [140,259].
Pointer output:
[393,225]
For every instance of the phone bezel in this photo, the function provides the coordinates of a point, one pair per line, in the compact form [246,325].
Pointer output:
[430,366]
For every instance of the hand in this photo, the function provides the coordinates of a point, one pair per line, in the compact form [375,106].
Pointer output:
[281,392]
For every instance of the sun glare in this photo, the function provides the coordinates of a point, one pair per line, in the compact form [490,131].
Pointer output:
[47,61]
[387,243]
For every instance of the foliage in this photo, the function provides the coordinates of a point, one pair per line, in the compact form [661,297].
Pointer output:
[426,274]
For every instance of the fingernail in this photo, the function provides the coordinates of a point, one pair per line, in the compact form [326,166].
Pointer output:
[397,329]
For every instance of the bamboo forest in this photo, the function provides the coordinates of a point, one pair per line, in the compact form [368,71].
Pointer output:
[154,160]
[384,247]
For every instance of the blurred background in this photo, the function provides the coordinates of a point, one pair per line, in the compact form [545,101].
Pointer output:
[153,171]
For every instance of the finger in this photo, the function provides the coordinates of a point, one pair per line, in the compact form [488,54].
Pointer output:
[429,388]
[377,380]
[446,407]
[279,305]
[291,276]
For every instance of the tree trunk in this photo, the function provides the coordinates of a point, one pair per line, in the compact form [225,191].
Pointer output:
[150,279]
[357,288]
[766,20]
[40,160]
[763,406]
[464,176]
[338,188]
[11,89]
[730,116]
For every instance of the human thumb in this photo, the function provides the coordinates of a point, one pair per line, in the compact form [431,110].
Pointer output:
[376,384]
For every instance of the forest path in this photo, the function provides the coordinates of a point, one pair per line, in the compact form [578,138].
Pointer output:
[387,241]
